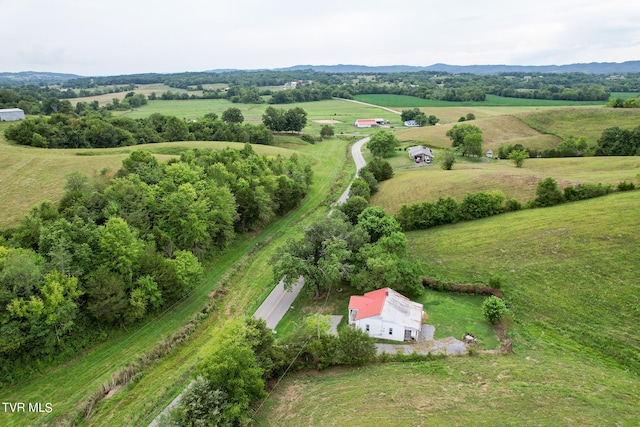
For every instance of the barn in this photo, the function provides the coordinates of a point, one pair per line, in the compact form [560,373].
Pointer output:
[11,114]
[366,123]
[386,314]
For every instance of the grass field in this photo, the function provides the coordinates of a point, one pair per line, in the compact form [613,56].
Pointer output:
[430,182]
[397,101]
[571,282]
[32,175]
[582,122]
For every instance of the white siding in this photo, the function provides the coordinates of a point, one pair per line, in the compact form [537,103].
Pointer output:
[11,114]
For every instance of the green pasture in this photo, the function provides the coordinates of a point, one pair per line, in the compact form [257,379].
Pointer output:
[570,279]
[428,183]
[569,272]
[31,175]
[589,122]
[539,386]
[397,101]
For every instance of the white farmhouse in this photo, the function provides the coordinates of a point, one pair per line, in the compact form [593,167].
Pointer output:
[386,314]
[11,114]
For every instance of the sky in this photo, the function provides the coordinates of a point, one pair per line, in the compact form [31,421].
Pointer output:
[112,37]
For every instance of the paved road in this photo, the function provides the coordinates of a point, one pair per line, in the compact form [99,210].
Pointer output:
[275,306]
[277,303]
[358,158]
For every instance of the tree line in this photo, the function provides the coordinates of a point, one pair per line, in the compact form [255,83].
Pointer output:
[129,244]
[423,215]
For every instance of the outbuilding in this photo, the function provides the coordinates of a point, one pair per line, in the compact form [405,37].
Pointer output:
[420,154]
[11,114]
[366,123]
[386,314]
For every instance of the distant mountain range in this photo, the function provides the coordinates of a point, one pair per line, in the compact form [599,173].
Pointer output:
[590,68]
[36,77]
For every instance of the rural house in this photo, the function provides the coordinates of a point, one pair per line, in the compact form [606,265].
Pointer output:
[11,114]
[420,154]
[411,123]
[386,314]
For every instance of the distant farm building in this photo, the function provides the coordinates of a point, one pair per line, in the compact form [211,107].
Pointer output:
[411,123]
[420,154]
[386,314]
[490,154]
[366,123]
[11,114]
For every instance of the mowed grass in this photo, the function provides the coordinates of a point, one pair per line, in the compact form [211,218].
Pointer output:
[570,272]
[570,278]
[342,111]
[496,131]
[431,182]
[587,122]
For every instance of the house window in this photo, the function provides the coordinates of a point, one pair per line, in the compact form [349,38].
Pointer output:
[390,331]
[366,328]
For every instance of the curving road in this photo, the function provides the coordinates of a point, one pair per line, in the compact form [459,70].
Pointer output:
[275,306]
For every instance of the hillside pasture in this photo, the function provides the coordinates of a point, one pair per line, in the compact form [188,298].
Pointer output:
[588,122]
[569,277]
[32,175]
[496,131]
[146,90]
[430,183]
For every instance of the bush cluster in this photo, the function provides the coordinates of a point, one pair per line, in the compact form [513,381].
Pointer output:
[438,285]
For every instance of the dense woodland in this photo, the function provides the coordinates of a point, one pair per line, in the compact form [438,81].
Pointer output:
[128,244]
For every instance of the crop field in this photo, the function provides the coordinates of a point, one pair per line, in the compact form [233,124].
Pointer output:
[397,101]
[428,183]
[146,90]
[570,280]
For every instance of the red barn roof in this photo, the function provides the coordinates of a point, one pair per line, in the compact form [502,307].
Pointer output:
[370,304]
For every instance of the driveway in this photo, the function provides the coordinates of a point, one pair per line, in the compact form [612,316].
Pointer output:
[425,345]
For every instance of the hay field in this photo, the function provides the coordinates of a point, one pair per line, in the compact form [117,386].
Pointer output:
[29,175]
[429,183]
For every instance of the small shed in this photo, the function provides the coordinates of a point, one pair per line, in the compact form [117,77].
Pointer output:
[386,314]
[420,154]
[11,114]
[490,154]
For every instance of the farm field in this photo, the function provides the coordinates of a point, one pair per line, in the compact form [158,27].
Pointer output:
[31,175]
[569,277]
[429,183]
[396,101]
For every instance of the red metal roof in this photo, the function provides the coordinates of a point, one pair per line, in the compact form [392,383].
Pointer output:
[370,304]
[367,121]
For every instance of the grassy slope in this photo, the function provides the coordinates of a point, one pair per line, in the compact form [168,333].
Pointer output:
[430,183]
[32,175]
[67,386]
[571,281]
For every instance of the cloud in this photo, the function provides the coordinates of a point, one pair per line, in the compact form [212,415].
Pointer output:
[101,37]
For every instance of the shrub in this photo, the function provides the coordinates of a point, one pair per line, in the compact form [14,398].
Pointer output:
[448,160]
[481,205]
[380,168]
[585,191]
[513,205]
[548,194]
[626,186]
[359,187]
[494,309]
[308,138]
